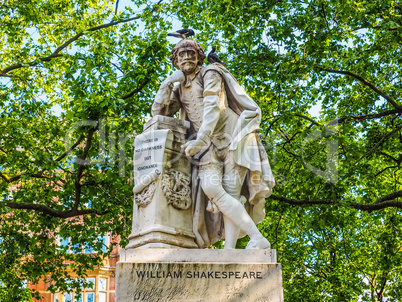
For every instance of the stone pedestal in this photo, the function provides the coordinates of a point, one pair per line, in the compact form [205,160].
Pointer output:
[162,215]
[162,261]
[198,275]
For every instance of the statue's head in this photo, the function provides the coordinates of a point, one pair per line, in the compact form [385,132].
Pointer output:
[186,55]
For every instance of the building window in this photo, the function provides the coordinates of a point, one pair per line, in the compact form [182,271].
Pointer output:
[68,297]
[97,292]
[90,297]
[65,243]
[101,239]
[102,289]
[90,292]
[78,298]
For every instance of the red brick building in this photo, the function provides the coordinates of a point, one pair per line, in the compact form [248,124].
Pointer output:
[103,280]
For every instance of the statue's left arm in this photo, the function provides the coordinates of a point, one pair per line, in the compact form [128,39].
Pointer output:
[212,90]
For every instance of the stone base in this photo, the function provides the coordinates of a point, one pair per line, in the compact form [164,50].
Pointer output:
[162,236]
[198,275]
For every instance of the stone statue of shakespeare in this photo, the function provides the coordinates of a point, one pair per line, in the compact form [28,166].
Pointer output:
[231,175]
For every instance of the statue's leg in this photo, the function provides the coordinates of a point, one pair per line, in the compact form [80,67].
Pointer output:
[231,233]
[211,184]
[232,182]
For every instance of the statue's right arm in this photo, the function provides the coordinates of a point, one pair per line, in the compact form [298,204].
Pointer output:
[166,100]
[162,98]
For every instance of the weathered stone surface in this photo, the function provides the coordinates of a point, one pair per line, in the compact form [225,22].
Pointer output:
[198,255]
[178,126]
[162,214]
[171,275]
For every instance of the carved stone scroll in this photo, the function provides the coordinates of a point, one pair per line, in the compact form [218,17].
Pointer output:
[145,197]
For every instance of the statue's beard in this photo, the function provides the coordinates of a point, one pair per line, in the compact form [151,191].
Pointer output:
[188,67]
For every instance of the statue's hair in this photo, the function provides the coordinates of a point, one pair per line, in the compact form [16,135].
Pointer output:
[187,43]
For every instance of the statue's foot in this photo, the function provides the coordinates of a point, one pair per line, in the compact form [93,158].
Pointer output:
[259,243]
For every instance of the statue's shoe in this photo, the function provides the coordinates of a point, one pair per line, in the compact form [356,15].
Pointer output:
[260,243]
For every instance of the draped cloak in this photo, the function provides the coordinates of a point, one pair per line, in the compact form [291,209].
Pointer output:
[248,152]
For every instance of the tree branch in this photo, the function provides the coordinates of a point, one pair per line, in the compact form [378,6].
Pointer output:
[294,135]
[377,206]
[57,54]
[373,27]
[117,7]
[367,83]
[390,196]
[325,15]
[52,212]
[9,179]
[382,203]
[383,283]
[398,161]
[380,142]
[81,167]
[80,139]
[270,126]
[276,231]
[297,202]
[385,169]
[307,118]
[287,151]
[360,118]
[138,89]
[118,67]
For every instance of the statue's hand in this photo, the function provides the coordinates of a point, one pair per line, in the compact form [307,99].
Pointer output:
[177,76]
[191,148]
[163,95]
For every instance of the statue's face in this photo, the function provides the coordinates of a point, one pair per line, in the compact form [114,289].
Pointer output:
[187,58]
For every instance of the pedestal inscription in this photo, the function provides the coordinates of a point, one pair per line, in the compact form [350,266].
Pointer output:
[149,148]
[162,276]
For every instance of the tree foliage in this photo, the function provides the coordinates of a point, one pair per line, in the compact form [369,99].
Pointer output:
[76,80]
[334,216]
